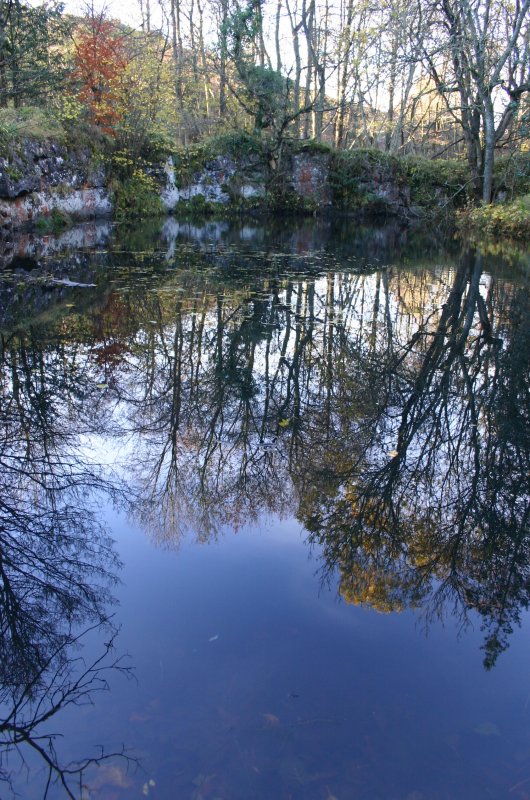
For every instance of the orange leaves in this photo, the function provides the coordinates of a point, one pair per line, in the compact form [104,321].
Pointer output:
[101,58]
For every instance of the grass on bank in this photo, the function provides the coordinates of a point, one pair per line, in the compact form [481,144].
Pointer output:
[508,219]
[29,122]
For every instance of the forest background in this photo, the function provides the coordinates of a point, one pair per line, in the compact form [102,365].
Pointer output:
[443,81]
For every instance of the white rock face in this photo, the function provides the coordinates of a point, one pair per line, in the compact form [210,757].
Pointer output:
[170,195]
[78,203]
[211,183]
[248,192]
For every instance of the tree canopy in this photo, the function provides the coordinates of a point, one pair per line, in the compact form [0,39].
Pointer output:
[450,78]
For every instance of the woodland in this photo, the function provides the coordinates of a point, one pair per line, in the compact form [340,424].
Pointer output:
[448,81]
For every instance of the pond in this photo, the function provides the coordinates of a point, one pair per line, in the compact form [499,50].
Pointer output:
[264,514]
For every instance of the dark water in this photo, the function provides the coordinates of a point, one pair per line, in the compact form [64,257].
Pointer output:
[264,515]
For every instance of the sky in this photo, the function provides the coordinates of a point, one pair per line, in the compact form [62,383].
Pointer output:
[126,10]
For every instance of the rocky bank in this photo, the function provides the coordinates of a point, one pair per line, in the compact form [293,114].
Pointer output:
[40,179]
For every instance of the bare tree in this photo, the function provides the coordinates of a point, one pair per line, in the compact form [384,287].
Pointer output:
[487,46]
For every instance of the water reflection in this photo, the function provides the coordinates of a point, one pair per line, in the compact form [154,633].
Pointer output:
[432,511]
[246,372]
[57,563]
[387,410]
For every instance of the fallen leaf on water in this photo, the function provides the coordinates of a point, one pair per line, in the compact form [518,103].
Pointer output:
[283,423]
[487,729]
[271,719]
[393,454]
[101,385]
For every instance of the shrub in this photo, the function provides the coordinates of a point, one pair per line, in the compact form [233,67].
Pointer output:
[437,184]
[354,172]
[511,174]
[136,196]
[234,143]
[310,146]
[498,219]
[54,223]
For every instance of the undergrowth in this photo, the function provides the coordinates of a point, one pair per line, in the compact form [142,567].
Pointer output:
[510,220]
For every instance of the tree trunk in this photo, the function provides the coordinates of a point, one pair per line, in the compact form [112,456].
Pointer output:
[222,66]
[298,69]
[176,42]
[277,36]
[344,53]
[489,151]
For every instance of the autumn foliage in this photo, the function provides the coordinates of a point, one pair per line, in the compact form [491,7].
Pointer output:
[101,59]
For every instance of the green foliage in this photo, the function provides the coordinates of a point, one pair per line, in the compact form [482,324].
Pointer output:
[511,174]
[188,161]
[136,196]
[241,29]
[31,51]
[353,172]
[510,220]
[267,91]
[198,207]
[437,184]
[157,145]
[54,223]
[29,122]
[264,91]
[235,143]
[311,146]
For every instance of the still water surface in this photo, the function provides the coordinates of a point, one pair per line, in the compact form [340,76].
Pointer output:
[264,515]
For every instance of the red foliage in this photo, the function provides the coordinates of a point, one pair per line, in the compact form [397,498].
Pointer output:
[100,60]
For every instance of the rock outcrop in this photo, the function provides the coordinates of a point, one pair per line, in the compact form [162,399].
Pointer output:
[38,178]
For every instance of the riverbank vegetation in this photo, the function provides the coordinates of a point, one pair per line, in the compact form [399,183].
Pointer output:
[436,95]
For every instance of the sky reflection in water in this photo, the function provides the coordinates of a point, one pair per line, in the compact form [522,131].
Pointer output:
[317,463]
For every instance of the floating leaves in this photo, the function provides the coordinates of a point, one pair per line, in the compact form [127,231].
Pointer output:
[150,784]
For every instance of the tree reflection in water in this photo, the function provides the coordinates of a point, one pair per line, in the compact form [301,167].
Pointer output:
[433,510]
[57,564]
[389,412]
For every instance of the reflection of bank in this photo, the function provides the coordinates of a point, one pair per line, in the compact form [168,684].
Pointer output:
[57,564]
